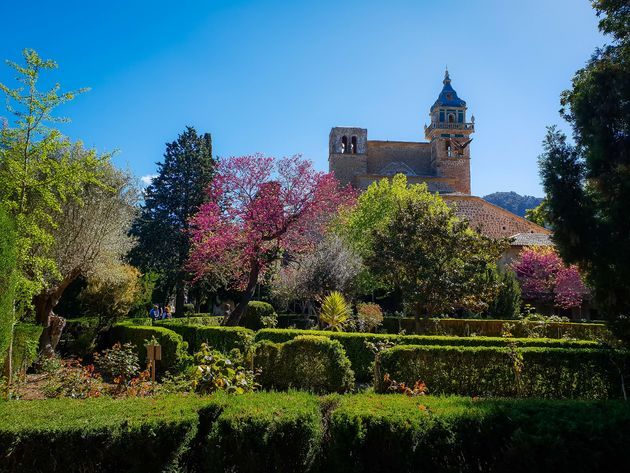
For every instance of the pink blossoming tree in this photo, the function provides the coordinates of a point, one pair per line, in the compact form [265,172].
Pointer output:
[259,210]
[545,278]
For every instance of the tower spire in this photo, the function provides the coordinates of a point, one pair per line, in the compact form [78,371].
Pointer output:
[447,77]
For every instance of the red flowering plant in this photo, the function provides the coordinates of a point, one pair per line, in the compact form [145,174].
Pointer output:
[544,277]
[260,209]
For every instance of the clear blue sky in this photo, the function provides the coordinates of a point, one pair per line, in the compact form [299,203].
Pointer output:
[275,76]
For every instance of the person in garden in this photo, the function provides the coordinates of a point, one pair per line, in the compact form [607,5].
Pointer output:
[154,313]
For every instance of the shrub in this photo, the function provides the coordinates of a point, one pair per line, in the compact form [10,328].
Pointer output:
[96,435]
[369,316]
[495,328]
[189,310]
[174,348]
[362,358]
[259,315]
[279,432]
[309,362]
[79,336]
[215,372]
[223,339]
[201,320]
[25,345]
[507,302]
[554,373]
[376,433]
[335,312]
[120,361]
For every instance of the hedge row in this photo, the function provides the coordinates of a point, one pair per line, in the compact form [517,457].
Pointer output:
[362,358]
[205,320]
[174,348]
[495,328]
[555,373]
[223,339]
[308,362]
[290,432]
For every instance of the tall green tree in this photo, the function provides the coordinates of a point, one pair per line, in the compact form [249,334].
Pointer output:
[588,182]
[435,260]
[172,198]
[38,174]
[8,280]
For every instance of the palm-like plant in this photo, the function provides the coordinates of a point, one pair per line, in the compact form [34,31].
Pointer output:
[335,312]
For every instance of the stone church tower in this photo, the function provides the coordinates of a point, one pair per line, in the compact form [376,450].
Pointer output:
[449,135]
[442,163]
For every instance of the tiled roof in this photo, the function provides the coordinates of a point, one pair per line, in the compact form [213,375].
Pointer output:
[531,239]
[448,97]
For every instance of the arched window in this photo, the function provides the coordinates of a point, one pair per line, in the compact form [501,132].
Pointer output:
[449,150]
[344,144]
[353,145]
[451,118]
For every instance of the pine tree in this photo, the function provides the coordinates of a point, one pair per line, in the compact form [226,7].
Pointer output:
[171,199]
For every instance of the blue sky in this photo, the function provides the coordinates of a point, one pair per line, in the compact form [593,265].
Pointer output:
[275,76]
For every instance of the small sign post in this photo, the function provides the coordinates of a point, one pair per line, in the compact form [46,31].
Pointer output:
[154,353]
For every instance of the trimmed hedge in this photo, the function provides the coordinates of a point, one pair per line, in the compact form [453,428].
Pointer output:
[362,358]
[279,432]
[206,320]
[495,328]
[256,310]
[376,433]
[554,373]
[289,432]
[174,348]
[317,364]
[96,435]
[220,338]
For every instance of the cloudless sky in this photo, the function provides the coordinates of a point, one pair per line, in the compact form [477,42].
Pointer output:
[274,76]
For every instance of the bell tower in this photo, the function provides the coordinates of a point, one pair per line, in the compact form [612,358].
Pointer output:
[449,135]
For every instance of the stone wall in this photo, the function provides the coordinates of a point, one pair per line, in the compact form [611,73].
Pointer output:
[415,155]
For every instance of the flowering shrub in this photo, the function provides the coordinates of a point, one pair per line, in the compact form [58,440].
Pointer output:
[75,381]
[119,363]
[545,278]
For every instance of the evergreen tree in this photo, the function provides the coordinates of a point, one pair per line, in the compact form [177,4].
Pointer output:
[8,280]
[173,197]
[507,303]
[588,184]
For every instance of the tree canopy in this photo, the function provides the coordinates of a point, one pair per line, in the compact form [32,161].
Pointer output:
[588,182]
[260,209]
[170,201]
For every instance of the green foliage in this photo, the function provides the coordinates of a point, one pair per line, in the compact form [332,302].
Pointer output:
[496,328]
[173,197]
[38,172]
[98,435]
[375,433]
[507,302]
[280,432]
[296,431]
[308,362]
[189,310]
[215,372]
[144,297]
[258,315]
[433,259]
[220,338]
[539,214]
[197,320]
[174,348]
[25,344]
[8,280]
[362,358]
[79,337]
[587,183]
[335,312]
[120,361]
[554,373]
[111,294]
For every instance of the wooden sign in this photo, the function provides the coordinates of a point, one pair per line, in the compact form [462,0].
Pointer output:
[154,353]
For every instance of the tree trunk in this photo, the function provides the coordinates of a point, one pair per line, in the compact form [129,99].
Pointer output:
[235,317]
[44,304]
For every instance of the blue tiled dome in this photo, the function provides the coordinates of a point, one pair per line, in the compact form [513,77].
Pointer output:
[448,97]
